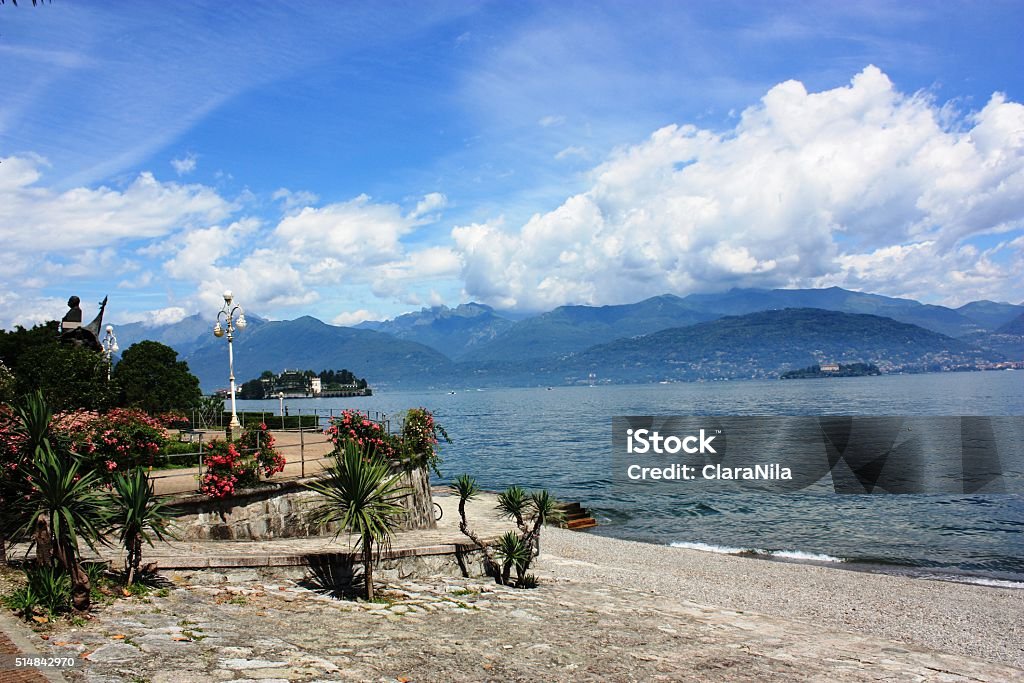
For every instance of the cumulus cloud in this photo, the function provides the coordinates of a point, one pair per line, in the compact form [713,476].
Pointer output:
[291,200]
[839,186]
[351,318]
[357,232]
[81,218]
[435,201]
[165,316]
[185,165]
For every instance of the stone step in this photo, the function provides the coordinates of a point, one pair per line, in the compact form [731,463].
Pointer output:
[576,516]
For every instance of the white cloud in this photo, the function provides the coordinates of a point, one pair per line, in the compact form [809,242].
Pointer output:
[357,232]
[32,216]
[572,151]
[201,249]
[435,201]
[165,316]
[351,318]
[263,280]
[808,187]
[292,200]
[185,165]
[551,120]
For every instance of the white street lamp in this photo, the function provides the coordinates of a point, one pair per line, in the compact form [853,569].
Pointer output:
[234,317]
[280,398]
[110,347]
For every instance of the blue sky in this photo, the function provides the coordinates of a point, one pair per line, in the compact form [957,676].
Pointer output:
[359,160]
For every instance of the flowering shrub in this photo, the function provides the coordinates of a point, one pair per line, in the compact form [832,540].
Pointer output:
[230,466]
[353,426]
[224,467]
[417,444]
[118,440]
[260,442]
[13,460]
[174,419]
[421,436]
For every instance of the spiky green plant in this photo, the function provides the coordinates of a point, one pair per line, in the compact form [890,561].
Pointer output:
[512,552]
[76,511]
[544,510]
[23,600]
[52,588]
[466,488]
[362,496]
[138,516]
[514,503]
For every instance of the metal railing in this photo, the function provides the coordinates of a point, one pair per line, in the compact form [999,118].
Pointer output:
[305,427]
[292,420]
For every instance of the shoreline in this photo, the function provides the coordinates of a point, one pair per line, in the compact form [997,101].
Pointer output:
[971,620]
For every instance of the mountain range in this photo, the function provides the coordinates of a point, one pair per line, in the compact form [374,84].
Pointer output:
[739,333]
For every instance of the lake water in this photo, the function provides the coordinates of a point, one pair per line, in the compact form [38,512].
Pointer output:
[560,439]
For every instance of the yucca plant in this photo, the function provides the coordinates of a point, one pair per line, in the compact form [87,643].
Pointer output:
[362,496]
[514,503]
[544,510]
[513,553]
[138,516]
[466,488]
[29,424]
[76,510]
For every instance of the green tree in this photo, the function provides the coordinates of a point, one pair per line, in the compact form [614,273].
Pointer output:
[362,495]
[68,376]
[152,378]
[251,390]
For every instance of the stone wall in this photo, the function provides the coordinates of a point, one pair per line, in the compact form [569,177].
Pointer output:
[339,569]
[283,510]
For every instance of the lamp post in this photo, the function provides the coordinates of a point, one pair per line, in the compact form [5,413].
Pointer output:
[109,344]
[280,398]
[234,317]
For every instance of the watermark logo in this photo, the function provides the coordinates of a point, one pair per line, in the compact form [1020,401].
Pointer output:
[841,454]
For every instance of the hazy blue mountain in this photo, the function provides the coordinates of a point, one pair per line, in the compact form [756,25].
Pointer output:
[991,314]
[1014,327]
[309,344]
[569,329]
[766,343]
[740,301]
[452,331]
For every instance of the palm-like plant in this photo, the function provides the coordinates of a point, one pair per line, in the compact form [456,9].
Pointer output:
[513,553]
[466,488]
[362,496]
[32,425]
[76,510]
[544,508]
[514,503]
[138,516]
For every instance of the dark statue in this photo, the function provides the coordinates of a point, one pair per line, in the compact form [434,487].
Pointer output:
[73,332]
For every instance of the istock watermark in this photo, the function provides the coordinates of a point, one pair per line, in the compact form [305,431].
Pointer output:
[841,454]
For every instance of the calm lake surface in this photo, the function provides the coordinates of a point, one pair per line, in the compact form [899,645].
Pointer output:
[560,439]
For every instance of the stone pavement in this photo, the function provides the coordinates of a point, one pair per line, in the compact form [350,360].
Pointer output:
[446,629]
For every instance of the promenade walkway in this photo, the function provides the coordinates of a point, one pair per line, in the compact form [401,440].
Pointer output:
[306,453]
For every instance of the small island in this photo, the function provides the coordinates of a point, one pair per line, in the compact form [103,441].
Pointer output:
[833,370]
[304,384]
